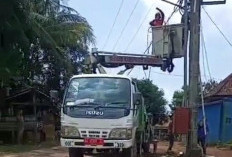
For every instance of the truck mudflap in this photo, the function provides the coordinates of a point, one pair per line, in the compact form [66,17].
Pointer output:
[106,144]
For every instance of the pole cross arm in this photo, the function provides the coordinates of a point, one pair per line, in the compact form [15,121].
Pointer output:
[173,4]
[213,2]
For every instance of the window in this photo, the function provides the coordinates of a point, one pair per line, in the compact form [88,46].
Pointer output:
[228,120]
[100,90]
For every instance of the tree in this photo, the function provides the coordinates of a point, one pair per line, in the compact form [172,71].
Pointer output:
[177,98]
[153,98]
[209,85]
[44,42]
[14,35]
[178,95]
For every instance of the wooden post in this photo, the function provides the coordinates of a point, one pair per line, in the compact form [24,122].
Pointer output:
[13,136]
[34,109]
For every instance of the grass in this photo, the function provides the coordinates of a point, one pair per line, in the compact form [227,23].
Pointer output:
[25,148]
[16,148]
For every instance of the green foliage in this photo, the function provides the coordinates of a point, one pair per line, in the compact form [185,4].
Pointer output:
[177,98]
[153,97]
[209,85]
[6,149]
[178,95]
[43,42]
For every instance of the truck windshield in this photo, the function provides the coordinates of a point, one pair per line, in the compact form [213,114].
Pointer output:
[98,92]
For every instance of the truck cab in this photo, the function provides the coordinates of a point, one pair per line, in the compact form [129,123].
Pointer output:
[100,113]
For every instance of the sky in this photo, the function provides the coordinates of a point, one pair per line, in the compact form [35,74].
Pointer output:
[101,14]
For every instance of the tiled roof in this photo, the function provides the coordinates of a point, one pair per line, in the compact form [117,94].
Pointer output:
[224,88]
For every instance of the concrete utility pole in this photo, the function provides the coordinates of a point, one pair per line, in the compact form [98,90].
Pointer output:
[194,71]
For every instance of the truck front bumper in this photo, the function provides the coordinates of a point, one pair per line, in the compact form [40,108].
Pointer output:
[108,144]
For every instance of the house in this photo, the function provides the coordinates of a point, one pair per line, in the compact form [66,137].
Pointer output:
[34,104]
[218,110]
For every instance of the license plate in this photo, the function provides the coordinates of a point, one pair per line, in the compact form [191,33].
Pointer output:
[94,142]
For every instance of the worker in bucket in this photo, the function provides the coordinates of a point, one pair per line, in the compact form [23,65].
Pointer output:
[202,133]
[159,18]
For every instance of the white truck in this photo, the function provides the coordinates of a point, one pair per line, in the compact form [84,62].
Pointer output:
[103,114]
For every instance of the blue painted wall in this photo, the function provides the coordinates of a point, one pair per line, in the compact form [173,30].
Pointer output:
[213,115]
[226,133]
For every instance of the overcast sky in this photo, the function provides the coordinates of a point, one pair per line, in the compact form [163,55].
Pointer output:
[101,13]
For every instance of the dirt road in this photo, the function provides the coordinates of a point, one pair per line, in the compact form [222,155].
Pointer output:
[179,147]
[51,152]
[162,147]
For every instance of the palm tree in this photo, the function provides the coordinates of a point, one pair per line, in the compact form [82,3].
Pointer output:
[57,31]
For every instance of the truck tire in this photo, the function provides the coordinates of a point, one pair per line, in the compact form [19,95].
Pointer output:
[130,152]
[75,152]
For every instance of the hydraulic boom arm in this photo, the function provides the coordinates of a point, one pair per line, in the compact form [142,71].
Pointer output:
[100,59]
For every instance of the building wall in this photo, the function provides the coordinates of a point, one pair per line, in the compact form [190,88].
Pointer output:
[226,132]
[213,115]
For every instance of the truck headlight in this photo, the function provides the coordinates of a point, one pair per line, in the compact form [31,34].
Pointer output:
[121,133]
[69,131]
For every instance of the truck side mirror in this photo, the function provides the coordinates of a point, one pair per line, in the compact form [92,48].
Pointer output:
[137,98]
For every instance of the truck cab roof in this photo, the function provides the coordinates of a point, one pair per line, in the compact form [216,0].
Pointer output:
[101,75]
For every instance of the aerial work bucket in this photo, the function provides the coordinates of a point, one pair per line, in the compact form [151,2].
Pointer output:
[167,41]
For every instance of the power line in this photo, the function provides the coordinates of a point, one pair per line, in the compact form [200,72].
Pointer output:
[130,71]
[203,59]
[149,75]
[147,49]
[224,36]
[125,25]
[115,19]
[169,74]
[136,33]
[145,73]
[204,51]
[176,8]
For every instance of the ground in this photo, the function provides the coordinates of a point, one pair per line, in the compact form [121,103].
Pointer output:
[57,151]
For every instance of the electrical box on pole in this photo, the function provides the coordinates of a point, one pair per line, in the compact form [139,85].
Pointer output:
[167,41]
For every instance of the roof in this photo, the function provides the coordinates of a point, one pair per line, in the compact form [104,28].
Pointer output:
[223,89]
[163,126]
[25,91]
[101,75]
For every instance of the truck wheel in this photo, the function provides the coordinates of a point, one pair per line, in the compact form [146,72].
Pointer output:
[75,152]
[130,152]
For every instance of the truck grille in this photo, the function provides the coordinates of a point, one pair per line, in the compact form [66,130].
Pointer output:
[94,133]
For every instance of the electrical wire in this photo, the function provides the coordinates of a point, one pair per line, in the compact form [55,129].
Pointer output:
[203,60]
[147,49]
[176,8]
[149,75]
[205,52]
[224,36]
[202,52]
[132,12]
[167,74]
[203,104]
[170,74]
[145,74]
[136,33]
[130,71]
[111,29]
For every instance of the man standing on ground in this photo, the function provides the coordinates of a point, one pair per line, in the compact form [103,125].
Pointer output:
[170,134]
[20,126]
[202,133]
